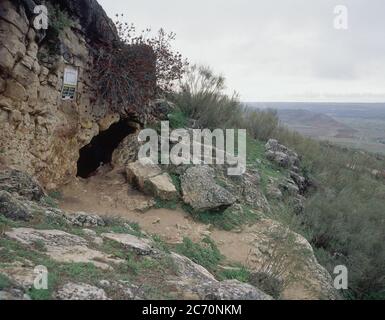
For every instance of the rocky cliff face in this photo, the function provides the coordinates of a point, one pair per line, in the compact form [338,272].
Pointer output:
[39,132]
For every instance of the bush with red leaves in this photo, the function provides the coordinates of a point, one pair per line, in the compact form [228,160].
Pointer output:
[135,69]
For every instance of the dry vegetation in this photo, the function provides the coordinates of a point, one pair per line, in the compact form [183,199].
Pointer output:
[344,217]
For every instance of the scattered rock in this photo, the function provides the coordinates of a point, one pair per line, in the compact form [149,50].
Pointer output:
[80,291]
[82,219]
[281,155]
[288,187]
[21,183]
[21,274]
[140,246]
[12,208]
[300,181]
[13,294]
[273,192]
[62,246]
[201,191]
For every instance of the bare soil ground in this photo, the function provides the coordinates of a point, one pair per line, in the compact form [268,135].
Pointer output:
[109,195]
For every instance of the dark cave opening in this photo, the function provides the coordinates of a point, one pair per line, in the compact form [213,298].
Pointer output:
[99,150]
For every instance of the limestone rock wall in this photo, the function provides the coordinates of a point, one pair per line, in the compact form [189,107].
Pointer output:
[39,132]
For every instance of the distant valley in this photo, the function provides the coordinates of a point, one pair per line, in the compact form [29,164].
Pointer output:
[357,125]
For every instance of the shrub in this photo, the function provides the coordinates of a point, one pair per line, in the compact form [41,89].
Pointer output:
[201,96]
[59,20]
[134,69]
[260,124]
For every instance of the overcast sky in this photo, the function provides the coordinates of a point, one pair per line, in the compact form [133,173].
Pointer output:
[276,50]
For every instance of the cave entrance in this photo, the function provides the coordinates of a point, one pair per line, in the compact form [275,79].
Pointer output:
[99,151]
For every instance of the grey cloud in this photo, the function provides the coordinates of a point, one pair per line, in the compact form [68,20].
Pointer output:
[274,48]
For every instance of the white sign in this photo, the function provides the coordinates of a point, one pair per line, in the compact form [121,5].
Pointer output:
[70,81]
[70,76]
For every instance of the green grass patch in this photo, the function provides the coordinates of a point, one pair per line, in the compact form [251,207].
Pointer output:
[239,273]
[55,194]
[49,202]
[5,282]
[229,219]
[166,204]
[205,253]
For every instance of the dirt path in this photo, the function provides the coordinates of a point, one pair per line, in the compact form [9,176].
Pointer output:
[108,194]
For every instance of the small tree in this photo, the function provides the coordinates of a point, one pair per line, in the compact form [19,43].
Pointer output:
[129,72]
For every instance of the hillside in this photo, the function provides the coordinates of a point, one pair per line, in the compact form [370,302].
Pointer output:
[356,125]
[81,205]
[315,125]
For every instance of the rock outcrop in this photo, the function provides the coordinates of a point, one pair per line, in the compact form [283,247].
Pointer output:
[12,208]
[80,291]
[15,181]
[194,281]
[281,155]
[40,133]
[201,191]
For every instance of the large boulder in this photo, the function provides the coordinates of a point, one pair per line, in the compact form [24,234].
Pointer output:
[137,172]
[201,191]
[194,281]
[126,152]
[281,155]
[12,208]
[231,290]
[15,181]
[285,258]
[161,186]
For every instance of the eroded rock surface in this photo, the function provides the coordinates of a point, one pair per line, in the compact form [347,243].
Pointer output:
[12,208]
[201,191]
[281,155]
[80,291]
[62,246]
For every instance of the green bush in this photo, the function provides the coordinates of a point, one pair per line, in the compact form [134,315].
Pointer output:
[202,97]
